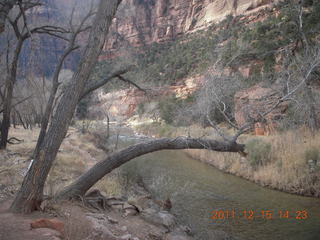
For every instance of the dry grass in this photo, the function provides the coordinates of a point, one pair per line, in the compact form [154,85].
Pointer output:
[77,153]
[288,169]
[114,184]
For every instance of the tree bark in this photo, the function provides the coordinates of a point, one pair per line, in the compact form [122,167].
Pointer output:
[49,107]
[89,178]
[30,194]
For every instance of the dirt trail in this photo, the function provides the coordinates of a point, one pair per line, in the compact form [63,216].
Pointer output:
[17,227]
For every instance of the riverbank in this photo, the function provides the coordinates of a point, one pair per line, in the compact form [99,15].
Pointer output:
[286,161]
[127,214]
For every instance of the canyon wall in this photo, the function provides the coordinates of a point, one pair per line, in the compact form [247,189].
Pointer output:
[140,22]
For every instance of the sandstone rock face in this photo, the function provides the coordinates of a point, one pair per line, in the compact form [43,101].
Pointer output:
[122,104]
[140,22]
[251,102]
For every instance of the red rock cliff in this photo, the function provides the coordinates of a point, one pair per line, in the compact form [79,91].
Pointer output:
[141,22]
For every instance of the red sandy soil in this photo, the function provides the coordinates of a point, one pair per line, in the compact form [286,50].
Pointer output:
[17,226]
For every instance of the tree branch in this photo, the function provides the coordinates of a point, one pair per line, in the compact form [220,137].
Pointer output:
[21,101]
[95,85]
[131,82]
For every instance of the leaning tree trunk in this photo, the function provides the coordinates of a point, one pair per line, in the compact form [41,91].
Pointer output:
[89,178]
[49,107]
[30,194]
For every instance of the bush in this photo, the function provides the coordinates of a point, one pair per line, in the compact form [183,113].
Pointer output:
[140,109]
[167,109]
[259,152]
[312,153]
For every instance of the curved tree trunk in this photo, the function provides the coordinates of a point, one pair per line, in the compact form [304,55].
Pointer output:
[30,194]
[89,178]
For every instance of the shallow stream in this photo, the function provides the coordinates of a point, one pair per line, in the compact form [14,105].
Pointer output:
[222,206]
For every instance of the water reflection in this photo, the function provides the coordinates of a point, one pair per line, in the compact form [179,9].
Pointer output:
[197,189]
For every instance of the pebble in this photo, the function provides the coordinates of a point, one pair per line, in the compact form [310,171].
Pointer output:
[124,228]
[111,220]
[126,237]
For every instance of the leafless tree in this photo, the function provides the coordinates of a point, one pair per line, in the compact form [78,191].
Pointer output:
[299,81]
[22,32]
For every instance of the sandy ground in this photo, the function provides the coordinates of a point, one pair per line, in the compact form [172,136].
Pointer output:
[17,227]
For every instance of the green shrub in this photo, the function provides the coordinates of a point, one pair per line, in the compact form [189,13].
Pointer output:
[167,109]
[312,153]
[259,152]
[140,109]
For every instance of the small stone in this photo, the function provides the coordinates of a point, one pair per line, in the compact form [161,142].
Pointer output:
[111,220]
[128,206]
[124,228]
[126,237]
[130,212]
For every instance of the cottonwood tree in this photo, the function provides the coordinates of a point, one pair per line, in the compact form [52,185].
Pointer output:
[22,32]
[72,45]
[30,194]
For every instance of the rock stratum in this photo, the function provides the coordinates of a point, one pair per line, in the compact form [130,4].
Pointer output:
[140,22]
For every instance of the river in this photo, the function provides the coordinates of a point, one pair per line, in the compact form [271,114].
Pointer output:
[222,206]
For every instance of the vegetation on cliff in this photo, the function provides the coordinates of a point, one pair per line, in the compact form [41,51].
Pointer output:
[235,41]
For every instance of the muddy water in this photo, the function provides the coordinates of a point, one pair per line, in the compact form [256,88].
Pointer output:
[244,210]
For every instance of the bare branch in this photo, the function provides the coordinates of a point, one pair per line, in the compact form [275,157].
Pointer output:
[131,82]
[315,63]
[93,86]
